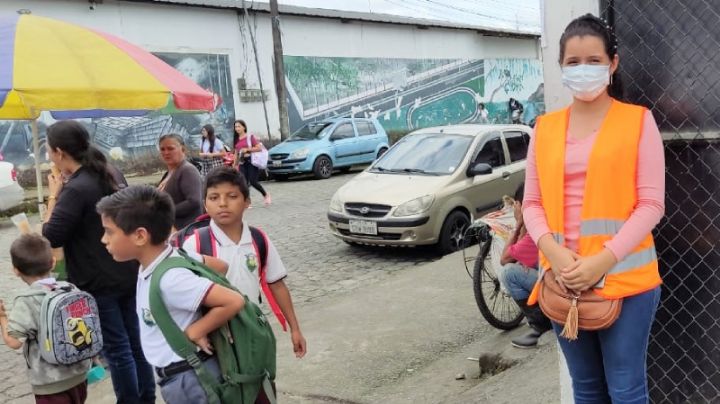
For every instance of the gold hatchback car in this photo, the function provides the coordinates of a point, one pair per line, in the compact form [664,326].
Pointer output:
[429,186]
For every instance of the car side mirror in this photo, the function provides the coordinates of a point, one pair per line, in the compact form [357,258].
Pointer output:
[480,169]
[334,138]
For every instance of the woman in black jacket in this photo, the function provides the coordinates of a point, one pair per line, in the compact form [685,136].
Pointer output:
[73,223]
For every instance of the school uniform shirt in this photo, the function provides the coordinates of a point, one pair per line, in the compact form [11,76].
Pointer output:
[183,292]
[218,146]
[243,262]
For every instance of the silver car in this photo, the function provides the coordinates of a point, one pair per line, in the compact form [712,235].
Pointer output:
[430,185]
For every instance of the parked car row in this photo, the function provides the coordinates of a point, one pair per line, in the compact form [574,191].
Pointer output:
[321,147]
[430,185]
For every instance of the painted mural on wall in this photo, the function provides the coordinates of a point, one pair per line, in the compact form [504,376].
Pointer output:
[137,136]
[408,94]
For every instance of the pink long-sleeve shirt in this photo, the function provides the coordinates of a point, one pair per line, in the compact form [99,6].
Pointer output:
[650,189]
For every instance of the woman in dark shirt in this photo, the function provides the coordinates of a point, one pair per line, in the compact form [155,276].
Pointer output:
[182,180]
[73,223]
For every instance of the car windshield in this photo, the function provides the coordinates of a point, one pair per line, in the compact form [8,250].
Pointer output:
[311,131]
[426,153]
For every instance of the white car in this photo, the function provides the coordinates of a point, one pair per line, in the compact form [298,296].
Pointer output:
[11,193]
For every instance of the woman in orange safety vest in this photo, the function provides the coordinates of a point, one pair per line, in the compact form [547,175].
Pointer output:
[594,190]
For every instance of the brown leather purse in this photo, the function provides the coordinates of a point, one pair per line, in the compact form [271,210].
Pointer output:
[586,311]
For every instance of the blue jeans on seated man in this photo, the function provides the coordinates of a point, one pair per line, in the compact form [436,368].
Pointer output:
[519,280]
[132,376]
[609,366]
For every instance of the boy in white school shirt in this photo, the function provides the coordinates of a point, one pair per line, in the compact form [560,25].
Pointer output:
[137,222]
[227,195]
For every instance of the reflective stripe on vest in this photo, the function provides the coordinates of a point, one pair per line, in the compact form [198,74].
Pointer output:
[609,228]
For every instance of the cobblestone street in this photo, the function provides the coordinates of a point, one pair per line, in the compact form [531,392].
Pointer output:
[319,264]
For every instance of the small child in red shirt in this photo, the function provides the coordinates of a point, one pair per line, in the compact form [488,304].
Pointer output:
[520,258]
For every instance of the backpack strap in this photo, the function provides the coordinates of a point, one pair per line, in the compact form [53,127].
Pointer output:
[205,242]
[175,337]
[260,243]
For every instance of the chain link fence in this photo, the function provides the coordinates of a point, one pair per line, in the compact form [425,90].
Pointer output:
[669,58]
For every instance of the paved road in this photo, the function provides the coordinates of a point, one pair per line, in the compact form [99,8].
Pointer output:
[319,264]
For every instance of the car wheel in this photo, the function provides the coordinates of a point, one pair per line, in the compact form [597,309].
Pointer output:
[280,177]
[452,233]
[322,168]
[381,152]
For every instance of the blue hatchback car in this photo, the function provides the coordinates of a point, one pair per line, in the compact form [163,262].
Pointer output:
[321,147]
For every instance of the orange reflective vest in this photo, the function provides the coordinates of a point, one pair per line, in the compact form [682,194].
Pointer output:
[609,199]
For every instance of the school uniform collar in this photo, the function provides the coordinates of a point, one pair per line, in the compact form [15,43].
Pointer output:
[225,241]
[146,273]
[49,281]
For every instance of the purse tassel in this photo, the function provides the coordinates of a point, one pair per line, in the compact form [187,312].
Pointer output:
[570,330]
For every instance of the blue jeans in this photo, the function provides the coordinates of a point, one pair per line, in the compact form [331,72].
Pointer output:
[519,280]
[185,387]
[609,366]
[132,376]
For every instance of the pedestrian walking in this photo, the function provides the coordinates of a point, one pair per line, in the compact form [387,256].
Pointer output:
[245,144]
[212,150]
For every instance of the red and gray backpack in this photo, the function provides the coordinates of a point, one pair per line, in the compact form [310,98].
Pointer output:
[205,244]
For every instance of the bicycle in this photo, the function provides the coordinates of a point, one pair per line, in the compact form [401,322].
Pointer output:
[495,304]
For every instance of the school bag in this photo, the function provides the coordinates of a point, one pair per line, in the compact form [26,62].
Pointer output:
[205,245]
[258,159]
[244,346]
[69,331]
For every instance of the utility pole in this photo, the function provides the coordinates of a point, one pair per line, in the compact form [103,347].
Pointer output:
[257,64]
[279,70]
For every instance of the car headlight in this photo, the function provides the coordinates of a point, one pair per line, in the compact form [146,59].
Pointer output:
[335,205]
[299,153]
[414,207]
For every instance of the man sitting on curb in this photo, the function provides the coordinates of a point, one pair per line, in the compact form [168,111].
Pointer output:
[520,258]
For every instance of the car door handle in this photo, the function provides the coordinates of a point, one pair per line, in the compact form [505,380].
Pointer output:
[505,175]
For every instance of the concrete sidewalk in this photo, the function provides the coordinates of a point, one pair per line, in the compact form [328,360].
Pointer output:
[404,341]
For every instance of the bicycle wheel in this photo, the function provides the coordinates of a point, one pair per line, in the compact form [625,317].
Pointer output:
[498,308]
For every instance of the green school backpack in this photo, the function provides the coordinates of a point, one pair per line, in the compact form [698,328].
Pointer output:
[244,347]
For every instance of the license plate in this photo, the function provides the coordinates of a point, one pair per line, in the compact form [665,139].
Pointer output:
[277,163]
[363,227]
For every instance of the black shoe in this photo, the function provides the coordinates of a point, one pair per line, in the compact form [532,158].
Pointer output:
[529,340]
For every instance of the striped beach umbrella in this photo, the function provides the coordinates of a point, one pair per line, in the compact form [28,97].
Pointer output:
[72,71]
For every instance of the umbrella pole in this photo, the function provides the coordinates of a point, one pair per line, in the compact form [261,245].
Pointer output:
[38,174]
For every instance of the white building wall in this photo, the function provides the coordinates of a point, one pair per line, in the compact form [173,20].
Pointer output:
[175,28]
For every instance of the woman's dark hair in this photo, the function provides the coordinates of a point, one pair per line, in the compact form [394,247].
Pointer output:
[588,24]
[210,136]
[236,137]
[72,138]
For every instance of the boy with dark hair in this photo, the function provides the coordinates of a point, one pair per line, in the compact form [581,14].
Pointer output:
[137,222]
[250,267]
[32,261]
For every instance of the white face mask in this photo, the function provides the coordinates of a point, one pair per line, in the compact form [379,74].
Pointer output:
[586,82]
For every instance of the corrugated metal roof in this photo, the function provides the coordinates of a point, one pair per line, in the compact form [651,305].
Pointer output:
[521,24]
